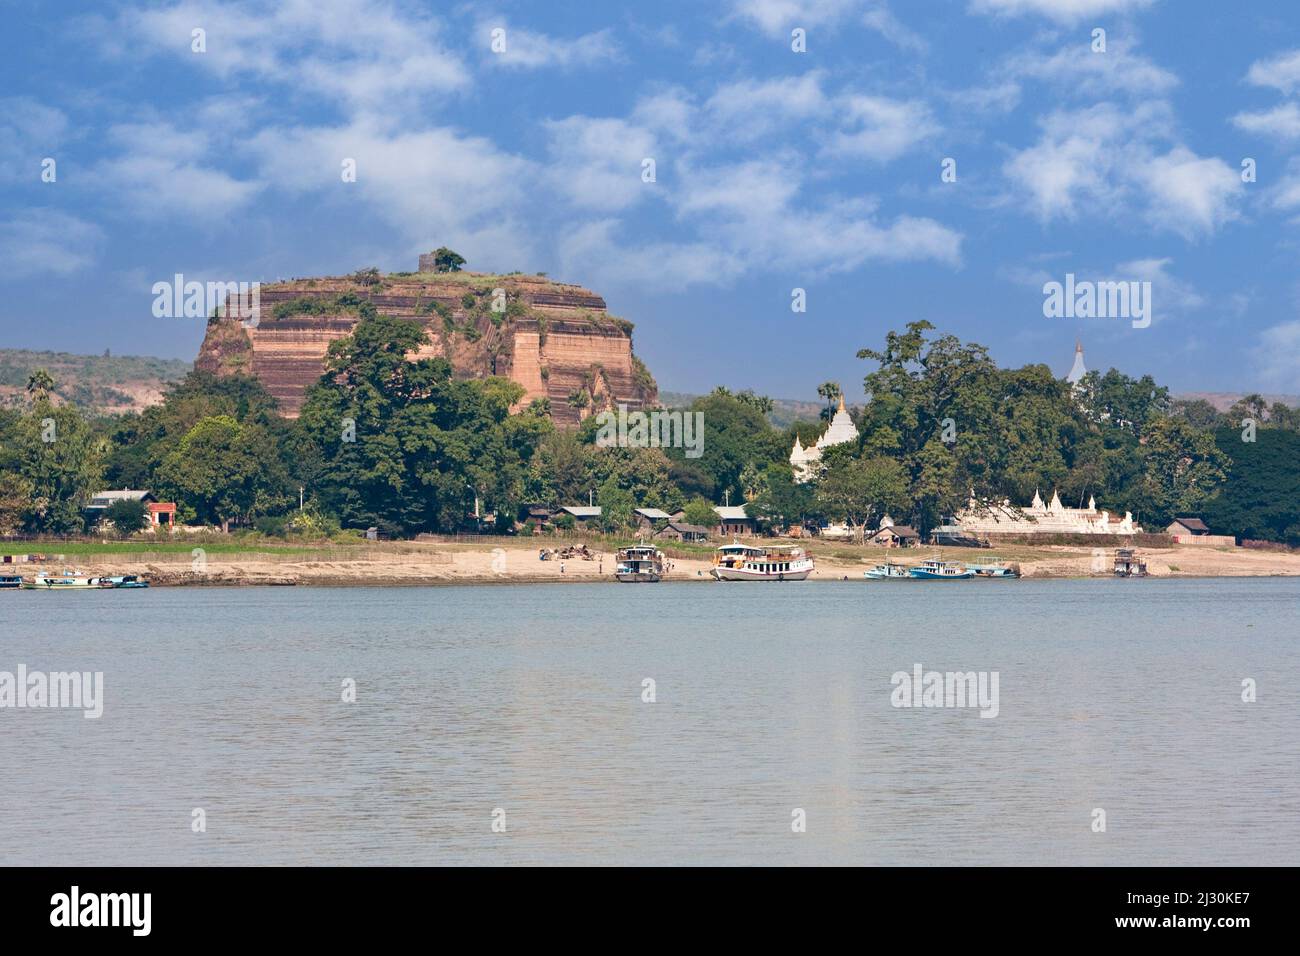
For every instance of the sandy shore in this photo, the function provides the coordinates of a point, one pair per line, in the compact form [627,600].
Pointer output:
[517,562]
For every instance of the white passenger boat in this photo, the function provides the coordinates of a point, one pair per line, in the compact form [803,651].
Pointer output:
[643,564]
[743,562]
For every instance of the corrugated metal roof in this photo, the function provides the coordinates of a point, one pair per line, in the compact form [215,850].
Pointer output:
[582,511]
[654,514]
[734,513]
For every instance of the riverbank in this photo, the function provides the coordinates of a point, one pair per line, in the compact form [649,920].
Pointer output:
[511,561]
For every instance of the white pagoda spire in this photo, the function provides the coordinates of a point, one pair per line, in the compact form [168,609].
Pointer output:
[1078,370]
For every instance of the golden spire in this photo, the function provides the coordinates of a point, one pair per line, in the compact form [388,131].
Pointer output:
[841,401]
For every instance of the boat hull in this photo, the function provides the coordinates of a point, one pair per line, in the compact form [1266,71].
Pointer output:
[744,574]
[923,575]
[639,577]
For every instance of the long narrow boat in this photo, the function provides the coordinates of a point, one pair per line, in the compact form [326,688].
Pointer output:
[743,562]
[936,570]
[1001,569]
[64,581]
[643,564]
[10,582]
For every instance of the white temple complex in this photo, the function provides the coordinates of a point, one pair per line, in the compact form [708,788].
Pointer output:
[840,430]
[1039,518]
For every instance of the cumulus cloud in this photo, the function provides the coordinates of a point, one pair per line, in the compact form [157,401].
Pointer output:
[1282,72]
[1076,69]
[29,132]
[425,183]
[162,172]
[360,54]
[529,50]
[47,242]
[1065,11]
[1281,122]
[596,163]
[1121,163]
[880,128]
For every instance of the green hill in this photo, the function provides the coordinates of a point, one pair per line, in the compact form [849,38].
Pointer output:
[98,383]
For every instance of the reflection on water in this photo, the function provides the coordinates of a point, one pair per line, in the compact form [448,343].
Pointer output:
[1121,695]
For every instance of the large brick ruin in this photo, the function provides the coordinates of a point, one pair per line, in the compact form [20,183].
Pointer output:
[555,339]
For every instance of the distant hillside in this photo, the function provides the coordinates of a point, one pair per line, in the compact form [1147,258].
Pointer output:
[785,411]
[101,384]
[1223,401]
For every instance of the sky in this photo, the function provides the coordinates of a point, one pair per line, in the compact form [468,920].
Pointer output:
[821,160]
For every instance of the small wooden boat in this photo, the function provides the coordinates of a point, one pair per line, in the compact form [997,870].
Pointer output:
[643,564]
[10,582]
[936,570]
[124,581]
[743,562]
[1001,569]
[888,572]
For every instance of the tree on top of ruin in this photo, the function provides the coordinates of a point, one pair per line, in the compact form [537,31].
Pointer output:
[445,260]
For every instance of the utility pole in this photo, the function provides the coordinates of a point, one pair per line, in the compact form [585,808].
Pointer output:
[301,489]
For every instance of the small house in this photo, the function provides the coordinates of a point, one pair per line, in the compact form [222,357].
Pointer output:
[582,514]
[680,531]
[648,518]
[733,520]
[896,536]
[1189,526]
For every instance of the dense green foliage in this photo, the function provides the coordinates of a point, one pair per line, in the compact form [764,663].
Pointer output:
[405,446]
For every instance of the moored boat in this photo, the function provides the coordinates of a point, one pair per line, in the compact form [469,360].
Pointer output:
[888,572]
[61,581]
[936,570]
[124,581]
[743,562]
[10,582]
[643,564]
[1000,569]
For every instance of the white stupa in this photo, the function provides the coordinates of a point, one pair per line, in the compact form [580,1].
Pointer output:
[1078,370]
[840,430]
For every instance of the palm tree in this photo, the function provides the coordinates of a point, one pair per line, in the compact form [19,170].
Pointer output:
[39,385]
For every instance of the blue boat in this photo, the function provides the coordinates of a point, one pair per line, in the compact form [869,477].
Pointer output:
[936,570]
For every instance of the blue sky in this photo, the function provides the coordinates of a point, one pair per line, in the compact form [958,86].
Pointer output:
[775,170]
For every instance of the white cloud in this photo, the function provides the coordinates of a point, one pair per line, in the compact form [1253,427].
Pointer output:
[1121,163]
[780,16]
[1066,11]
[750,109]
[47,242]
[1078,70]
[1277,356]
[160,173]
[1282,72]
[432,185]
[29,132]
[750,217]
[880,128]
[362,54]
[1189,194]
[528,50]
[596,163]
[1282,122]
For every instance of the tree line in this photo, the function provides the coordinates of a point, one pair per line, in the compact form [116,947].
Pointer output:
[406,447]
